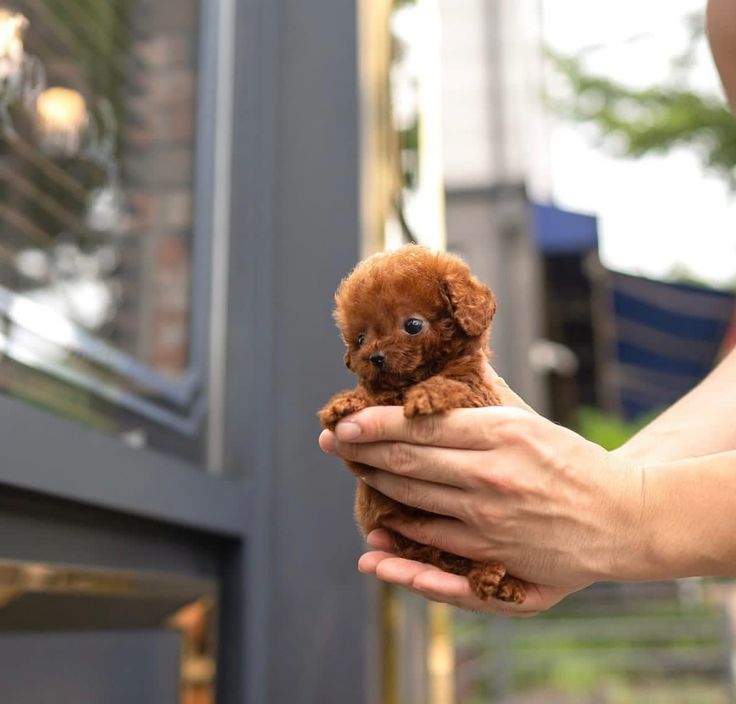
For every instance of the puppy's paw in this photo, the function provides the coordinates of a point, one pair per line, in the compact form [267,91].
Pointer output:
[437,395]
[339,407]
[485,577]
[511,590]
[424,400]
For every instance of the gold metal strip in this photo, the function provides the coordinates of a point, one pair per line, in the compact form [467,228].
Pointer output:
[92,598]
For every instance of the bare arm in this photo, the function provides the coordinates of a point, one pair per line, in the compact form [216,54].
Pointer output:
[688,519]
[701,423]
[721,25]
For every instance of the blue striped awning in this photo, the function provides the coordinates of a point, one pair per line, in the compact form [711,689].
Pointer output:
[558,231]
[667,338]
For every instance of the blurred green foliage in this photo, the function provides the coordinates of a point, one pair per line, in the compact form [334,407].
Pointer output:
[639,121]
[607,430]
[628,651]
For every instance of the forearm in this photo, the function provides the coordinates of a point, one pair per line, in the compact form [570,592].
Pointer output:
[688,521]
[721,25]
[700,423]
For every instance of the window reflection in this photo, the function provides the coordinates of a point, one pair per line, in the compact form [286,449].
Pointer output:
[97,141]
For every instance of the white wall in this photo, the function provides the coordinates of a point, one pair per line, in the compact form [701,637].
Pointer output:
[491,89]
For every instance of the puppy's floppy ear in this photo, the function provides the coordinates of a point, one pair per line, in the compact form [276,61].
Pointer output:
[471,302]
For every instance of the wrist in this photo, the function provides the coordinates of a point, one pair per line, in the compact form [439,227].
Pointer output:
[655,543]
[689,519]
[629,551]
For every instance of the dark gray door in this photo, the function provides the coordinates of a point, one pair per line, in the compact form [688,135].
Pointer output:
[178,199]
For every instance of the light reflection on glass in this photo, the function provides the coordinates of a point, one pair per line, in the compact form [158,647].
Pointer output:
[12,26]
[62,115]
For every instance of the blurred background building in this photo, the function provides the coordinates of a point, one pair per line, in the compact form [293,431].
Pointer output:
[182,186]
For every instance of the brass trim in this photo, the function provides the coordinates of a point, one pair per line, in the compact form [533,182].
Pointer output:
[36,596]
[441,655]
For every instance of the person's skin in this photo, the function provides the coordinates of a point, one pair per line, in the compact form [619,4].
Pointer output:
[721,26]
[558,510]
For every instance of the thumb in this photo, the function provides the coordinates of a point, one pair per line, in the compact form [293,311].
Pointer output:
[505,393]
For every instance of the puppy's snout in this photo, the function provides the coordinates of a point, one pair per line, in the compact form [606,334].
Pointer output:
[378,359]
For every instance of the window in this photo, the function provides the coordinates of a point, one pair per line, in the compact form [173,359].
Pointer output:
[103,249]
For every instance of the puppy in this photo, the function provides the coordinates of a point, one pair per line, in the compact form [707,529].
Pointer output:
[416,324]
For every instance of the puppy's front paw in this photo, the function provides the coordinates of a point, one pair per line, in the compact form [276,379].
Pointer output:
[437,395]
[339,407]
[421,402]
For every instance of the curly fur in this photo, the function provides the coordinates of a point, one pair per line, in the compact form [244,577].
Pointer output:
[431,372]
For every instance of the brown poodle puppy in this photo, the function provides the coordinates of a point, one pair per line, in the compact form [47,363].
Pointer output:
[416,326]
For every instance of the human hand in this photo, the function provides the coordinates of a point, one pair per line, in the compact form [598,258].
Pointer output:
[507,485]
[434,584]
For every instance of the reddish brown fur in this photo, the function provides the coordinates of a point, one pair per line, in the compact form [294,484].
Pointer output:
[437,370]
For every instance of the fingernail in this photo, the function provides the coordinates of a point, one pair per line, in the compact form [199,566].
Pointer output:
[348,431]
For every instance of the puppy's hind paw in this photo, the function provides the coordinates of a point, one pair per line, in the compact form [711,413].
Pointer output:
[484,578]
[511,590]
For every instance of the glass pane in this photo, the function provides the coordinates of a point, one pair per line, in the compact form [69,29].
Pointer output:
[97,146]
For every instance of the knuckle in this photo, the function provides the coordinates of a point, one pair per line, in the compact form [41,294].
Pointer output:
[506,434]
[419,533]
[485,515]
[377,425]
[425,430]
[401,458]
[405,494]
[348,451]
[546,456]
[428,533]
[488,433]
[501,481]
[514,432]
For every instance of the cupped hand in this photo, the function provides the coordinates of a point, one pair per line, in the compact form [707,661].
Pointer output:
[506,484]
[432,583]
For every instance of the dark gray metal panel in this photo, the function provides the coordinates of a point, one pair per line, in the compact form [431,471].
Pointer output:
[90,668]
[307,613]
[55,457]
[246,603]
[319,621]
[37,529]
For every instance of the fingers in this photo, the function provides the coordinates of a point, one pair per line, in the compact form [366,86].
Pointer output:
[436,585]
[433,464]
[463,428]
[380,539]
[369,561]
[433,498]
[446,534]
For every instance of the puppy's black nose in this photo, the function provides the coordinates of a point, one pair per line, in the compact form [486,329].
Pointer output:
[377,359]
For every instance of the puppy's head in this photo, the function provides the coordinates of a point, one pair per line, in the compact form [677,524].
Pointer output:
[404,315]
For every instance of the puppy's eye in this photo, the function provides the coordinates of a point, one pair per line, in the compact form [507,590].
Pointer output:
[360,339]
[413,326]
